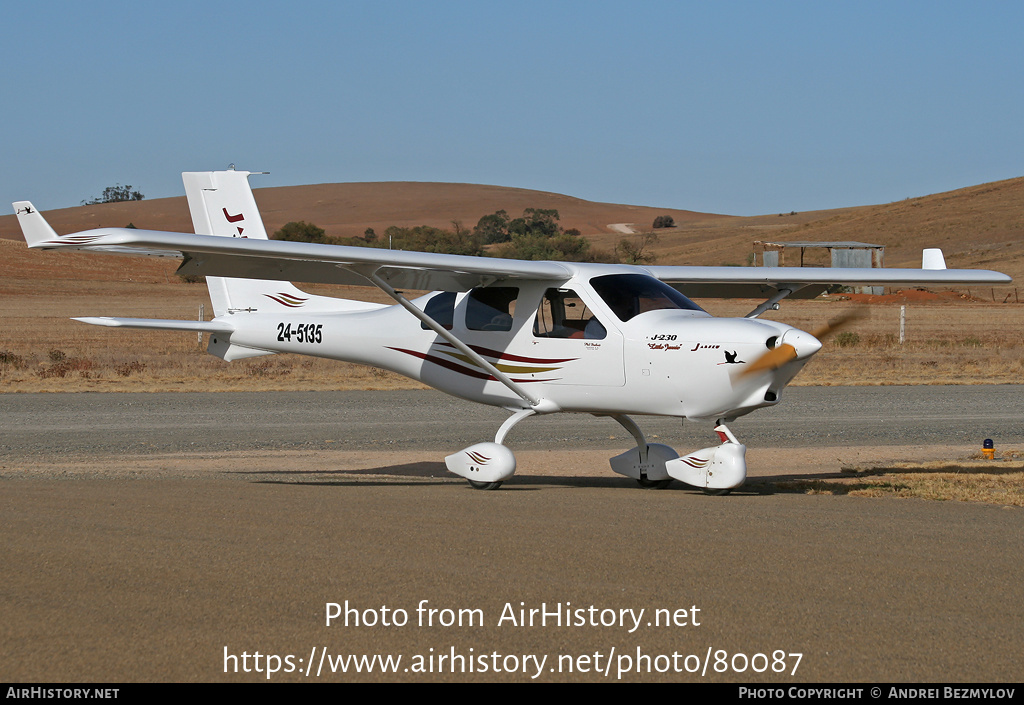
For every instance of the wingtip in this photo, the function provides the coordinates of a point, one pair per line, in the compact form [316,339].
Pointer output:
[33,225]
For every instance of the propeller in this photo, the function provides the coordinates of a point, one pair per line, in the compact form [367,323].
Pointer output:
[778,356]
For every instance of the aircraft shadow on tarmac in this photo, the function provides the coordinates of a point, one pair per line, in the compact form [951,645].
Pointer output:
[435,473]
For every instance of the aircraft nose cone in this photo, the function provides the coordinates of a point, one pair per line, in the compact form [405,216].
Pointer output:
[803,343]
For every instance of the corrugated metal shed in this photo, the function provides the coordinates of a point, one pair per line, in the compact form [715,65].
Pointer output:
[841,254]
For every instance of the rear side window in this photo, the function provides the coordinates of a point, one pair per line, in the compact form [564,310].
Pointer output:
[491,308]
[442,309]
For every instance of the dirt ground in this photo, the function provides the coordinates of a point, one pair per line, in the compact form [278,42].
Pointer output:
[171,569]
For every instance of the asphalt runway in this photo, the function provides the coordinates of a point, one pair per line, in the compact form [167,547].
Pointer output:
[180,555]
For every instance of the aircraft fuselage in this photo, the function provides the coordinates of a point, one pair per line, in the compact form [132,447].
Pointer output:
[669,361]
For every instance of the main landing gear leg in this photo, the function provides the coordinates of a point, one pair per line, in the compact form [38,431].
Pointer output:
[487,465]
[646,462]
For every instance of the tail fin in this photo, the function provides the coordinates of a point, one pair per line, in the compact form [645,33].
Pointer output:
[931,258]
[221,203]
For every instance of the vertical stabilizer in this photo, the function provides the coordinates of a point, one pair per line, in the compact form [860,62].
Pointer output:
[222,204]
[931,258]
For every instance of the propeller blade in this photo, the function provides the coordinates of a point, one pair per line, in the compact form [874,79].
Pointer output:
[771,360]
[839,322]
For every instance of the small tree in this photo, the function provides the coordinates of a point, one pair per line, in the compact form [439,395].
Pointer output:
[632,251]
[664,221]
[301,231]
[536,222]
[493,228]
[115,194]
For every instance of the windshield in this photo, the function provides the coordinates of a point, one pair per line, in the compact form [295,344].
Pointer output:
[629,295]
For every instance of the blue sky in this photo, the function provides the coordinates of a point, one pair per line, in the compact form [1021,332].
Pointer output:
[729,107]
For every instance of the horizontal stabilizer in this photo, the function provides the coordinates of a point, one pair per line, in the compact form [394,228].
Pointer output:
[158,323]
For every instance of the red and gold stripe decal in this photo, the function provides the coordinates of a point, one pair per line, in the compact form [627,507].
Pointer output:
[287,299]
[463,364]
[501,355]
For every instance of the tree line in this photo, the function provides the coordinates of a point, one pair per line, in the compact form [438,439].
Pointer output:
[536,235]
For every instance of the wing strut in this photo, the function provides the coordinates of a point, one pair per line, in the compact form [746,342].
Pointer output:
[447,335]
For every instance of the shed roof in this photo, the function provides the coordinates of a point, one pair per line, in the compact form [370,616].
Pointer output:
[841,243]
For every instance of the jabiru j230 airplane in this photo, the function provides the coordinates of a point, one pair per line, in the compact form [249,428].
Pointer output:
[530,337]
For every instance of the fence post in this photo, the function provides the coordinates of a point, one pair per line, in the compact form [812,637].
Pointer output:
[903,324]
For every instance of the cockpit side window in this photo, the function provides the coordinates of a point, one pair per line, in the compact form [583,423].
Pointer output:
[629,295]
[563,314]
[491,308]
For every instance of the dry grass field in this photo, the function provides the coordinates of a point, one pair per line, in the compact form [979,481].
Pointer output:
[968,337]
[999,482]
[43,350]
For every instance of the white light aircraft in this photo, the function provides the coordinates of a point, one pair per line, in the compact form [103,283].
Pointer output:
[531,337]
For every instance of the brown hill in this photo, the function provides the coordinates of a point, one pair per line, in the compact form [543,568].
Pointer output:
[977,227]
[345,210]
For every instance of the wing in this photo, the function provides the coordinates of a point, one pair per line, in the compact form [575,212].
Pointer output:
[246,258]
[808,282]
[777,283]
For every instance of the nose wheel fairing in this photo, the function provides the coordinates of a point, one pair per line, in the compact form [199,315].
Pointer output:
[720,467]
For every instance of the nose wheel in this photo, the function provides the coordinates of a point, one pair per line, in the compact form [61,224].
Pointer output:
[484,485]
